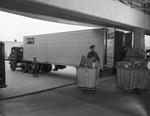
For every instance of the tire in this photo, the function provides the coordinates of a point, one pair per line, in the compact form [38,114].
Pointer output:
[30,69]
[12,66]
[47,67]
[24,67]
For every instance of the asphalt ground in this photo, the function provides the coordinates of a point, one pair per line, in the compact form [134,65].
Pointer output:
[69,100]
[19,83]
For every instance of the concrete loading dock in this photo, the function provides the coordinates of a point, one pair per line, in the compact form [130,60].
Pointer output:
[20,84]
[69,100]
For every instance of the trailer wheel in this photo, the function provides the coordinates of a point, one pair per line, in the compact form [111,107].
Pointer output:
[24,67]
[12,66]
[47,67]
[30,69]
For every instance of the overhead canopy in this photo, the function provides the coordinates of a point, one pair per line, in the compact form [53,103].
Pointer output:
[110,13]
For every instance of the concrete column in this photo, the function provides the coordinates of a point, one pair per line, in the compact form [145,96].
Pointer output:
[2,65]
[139,39]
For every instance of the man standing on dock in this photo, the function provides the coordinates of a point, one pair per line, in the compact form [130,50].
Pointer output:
[95,58]
[93,54]
[35,67]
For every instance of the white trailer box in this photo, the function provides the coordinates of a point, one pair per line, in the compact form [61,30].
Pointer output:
[64,48]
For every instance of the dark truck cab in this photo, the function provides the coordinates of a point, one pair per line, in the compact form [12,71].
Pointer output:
[15,57]
[147,53]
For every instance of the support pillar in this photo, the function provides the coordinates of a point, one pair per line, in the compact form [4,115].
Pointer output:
[2,66]
[139,39]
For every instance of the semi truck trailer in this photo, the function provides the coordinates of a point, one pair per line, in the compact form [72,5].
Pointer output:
[58,49]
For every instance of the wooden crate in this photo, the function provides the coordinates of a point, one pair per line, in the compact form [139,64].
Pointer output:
[130,79]
[87,77]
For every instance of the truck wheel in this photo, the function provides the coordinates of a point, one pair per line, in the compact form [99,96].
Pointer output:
[24,67]
[12,66]
[47,67]
[30,69]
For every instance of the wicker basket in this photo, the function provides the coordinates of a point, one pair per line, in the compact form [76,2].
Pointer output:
[87,78]
[130,78]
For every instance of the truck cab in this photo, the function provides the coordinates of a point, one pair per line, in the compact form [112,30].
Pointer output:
[147,53]
[15,57]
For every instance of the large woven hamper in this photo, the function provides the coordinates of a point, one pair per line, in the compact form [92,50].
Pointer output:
[130,78]
[87,77]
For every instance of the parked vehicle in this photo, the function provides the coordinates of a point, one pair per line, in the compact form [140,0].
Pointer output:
[59,49]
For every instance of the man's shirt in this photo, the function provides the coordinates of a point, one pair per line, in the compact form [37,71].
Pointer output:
[35,64]
[93,54]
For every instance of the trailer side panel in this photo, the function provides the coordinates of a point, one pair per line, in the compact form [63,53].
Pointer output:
[64,48]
